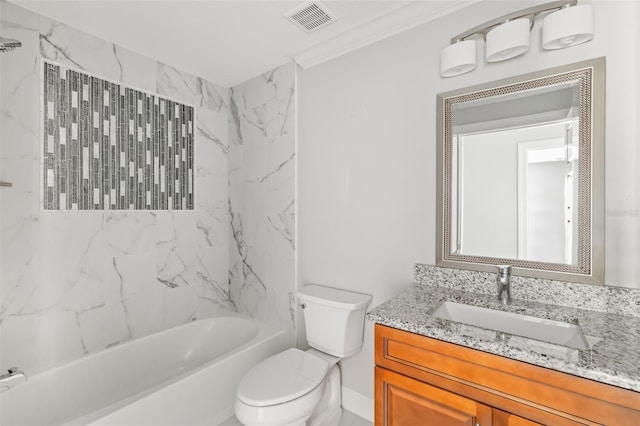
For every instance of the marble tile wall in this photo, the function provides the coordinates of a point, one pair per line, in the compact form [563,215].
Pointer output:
[74,283]
[262,196]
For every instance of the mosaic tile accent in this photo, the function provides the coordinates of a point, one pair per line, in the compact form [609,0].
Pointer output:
[111,147]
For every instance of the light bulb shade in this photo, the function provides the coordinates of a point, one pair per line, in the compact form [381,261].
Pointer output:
[508,40]
[568,27]
[458,58]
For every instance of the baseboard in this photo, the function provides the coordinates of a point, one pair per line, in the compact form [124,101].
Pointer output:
[357,403]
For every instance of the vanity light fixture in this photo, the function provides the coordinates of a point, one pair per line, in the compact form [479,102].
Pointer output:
[458,58]
[568,27]
[507,40]
[509,36]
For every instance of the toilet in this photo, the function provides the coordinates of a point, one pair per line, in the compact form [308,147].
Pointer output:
[298,388]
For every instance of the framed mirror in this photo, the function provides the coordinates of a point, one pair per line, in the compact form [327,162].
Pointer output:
[520,166]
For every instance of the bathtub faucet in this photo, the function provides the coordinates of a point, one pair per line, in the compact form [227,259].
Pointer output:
[13,378]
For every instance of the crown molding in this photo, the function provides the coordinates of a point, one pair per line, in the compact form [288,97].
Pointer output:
[396,21]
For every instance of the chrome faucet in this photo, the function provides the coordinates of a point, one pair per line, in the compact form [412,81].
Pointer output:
[504,286]
[13,378]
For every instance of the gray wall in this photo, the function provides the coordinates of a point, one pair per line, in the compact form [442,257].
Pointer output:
[366,153]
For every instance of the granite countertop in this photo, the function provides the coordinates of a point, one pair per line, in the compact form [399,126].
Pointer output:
[614,356]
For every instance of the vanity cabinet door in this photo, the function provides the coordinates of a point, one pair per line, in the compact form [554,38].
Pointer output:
[402,401]
[502,418]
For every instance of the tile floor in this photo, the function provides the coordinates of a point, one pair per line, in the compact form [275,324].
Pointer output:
[348,419]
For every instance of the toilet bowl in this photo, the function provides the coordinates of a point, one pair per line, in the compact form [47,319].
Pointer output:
[298,388]
[287,389]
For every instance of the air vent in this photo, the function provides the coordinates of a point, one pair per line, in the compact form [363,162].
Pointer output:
[311,16]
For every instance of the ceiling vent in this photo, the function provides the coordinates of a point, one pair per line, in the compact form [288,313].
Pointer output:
[311,16]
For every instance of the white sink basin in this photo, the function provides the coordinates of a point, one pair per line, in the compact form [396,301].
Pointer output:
[560,333]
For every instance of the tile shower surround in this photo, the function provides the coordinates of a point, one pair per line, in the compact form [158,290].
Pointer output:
[262,196]
[111,147]
[125,274]
[74,283]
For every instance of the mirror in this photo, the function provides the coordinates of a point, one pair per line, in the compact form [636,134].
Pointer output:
[521,175]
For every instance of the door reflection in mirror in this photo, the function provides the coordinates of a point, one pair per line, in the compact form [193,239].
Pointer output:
[532,172]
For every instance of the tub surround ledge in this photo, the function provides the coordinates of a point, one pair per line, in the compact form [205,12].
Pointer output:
[614,356]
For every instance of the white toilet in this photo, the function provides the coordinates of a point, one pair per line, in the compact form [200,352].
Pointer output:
[297,388]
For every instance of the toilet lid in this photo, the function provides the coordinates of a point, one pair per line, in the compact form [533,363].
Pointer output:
[281,378]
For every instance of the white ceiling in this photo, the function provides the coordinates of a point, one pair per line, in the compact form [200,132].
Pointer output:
[228,42]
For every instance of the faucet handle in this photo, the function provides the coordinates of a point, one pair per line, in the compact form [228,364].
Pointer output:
[504,270]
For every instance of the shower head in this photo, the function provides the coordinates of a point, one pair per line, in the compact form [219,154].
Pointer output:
[8,44]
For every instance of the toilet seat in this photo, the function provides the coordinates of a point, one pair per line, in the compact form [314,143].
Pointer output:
[282,378]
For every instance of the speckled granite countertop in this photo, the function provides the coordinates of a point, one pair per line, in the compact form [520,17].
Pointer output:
[614,357]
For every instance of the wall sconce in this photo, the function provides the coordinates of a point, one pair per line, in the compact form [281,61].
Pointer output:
[508,36]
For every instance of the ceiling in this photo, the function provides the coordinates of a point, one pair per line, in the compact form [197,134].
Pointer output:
[228,42]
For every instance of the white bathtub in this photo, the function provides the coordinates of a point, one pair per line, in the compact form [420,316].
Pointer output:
[186,375]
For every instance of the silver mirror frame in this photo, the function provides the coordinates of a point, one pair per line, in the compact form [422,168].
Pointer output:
[590,267]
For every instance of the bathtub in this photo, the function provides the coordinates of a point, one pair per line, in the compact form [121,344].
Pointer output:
[185,375]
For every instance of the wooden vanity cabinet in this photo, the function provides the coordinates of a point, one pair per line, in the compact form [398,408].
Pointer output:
[423,381]
[502,418]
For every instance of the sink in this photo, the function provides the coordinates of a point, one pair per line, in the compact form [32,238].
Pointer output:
[557,332]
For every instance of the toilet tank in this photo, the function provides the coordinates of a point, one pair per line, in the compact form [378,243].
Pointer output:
[334,319]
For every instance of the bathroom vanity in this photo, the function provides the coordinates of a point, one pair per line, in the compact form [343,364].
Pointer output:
[547,347]
[431,371]
[422,381]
